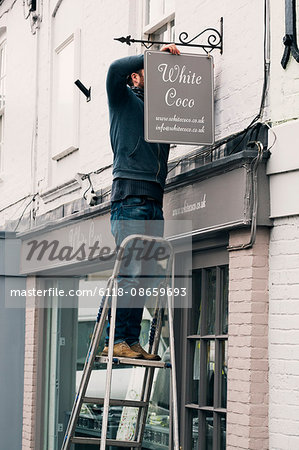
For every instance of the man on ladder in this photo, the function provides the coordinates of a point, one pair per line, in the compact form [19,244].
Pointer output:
[140,171]
[139,174]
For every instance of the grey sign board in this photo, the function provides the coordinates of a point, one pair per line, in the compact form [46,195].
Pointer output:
[179,98]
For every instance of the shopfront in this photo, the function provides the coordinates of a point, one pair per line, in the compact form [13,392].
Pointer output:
[206,204]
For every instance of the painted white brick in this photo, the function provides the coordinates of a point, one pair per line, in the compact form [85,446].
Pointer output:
[284,334]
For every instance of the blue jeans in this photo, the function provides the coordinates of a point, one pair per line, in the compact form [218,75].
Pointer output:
[133,215]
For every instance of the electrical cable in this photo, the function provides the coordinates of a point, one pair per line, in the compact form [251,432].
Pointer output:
[87,175]
[28,204]
[90,185]
[254,196]
[265,84]
[9,9]
[274,134]
[15,203]
[209,151]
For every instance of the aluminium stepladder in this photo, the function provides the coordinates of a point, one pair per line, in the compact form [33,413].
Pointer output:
[143,403]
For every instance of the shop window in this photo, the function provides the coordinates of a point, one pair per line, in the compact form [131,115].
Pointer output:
[206,387]
[66,97]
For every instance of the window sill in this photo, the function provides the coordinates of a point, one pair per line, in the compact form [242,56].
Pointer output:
[65,153]
[154,26]
[53,193]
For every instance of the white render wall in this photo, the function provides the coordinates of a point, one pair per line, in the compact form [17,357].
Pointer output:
[15,181]
[284,85]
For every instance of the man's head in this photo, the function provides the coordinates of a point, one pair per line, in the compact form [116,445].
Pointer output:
[136,79]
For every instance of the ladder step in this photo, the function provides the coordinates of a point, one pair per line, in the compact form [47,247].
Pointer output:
[115,442]
[134,362]
[116,402]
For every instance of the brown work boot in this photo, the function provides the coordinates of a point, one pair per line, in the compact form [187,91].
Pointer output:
[149,356]
[122,350]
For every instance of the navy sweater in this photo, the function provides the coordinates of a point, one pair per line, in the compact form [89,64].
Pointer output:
[134,158]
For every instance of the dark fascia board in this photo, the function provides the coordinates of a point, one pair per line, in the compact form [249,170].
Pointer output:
[213,168]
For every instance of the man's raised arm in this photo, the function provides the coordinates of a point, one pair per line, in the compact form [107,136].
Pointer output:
[118,72]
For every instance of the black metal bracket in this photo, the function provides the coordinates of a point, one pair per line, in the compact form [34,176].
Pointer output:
[290,38]
[86,92]
[214,40]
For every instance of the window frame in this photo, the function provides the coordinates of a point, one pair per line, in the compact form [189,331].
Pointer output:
[59,153]
[152,27]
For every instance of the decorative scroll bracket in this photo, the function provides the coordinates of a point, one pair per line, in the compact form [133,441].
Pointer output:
[290,38]
[214,40]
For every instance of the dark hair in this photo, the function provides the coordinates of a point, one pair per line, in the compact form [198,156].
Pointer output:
[129,78]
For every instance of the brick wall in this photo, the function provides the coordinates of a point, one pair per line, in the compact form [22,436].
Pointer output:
[247,396]
[30,373]
[284,334]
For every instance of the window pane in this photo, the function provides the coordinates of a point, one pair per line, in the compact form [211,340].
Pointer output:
[210,372]
[160,35]
[223,377]
[209,431]
[195,313]
[196,373]
[195,428]
[157,424]
[172,31]
[224,297]
[64,99]
[154,10]
[211,299]
[222,432]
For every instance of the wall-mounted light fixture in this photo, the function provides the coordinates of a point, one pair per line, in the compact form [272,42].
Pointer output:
[84,90]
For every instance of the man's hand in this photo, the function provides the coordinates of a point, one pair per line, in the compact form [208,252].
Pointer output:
[171,48]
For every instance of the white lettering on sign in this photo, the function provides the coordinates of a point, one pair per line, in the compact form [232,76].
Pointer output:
[188,207]
[177,101]
[179,106]
[177,73]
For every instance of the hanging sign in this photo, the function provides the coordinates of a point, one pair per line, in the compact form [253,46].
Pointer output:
[179,98]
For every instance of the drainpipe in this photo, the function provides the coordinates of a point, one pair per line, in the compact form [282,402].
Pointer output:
[34,144]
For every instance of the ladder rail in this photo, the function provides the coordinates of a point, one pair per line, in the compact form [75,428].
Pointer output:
[147,384]
[88,365]
[174,405]
[111,293]
[109,367]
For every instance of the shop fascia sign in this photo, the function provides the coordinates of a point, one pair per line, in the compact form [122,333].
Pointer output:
[179,98]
